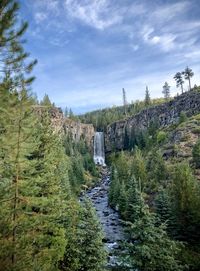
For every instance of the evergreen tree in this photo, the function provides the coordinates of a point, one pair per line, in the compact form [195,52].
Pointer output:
[162,203]
[166,91]
[188,73]
[150,248]
[46,101]
[179,80]
[13,58]
[114,188]
[71,114]
[183,117]
[66,112]
[196,154]
[124,101]
[34,190]
[85,251]
[155,167]
[147,100]
[185,204]
[122,199]
[133,201]
[139,168]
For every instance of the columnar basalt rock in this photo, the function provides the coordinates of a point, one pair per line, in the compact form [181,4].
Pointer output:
[163,115]
[78,130]
[65,126]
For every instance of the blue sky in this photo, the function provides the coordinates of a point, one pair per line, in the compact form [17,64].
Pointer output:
[88,50]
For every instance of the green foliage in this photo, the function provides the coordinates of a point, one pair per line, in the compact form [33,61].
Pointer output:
[114,190]
[122,199]
[85,249]
[138,169]
[33,189]
[133,201]
[161,137]
[13,58]
[196,154]
[185,204]
[147,99]
[150,248]
[156,167]
[183,117]
[163,206]
[188,74]
[179,80]
[102,118]
[166,91]
[81,163]
[46,101]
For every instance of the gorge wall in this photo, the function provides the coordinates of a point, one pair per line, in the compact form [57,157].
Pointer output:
[65,126]
[161,115]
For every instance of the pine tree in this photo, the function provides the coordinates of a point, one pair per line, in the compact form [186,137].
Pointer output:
[15,143]
[124,101]
[133,201]
[188,73]
[139,168]
[66,112]
[179,80]
[166,91]
[185,204]
[147,100]
[122,199]
[116,192]
[46,101]
[13,58]
[34,189]
[85,250]
[196,154]
[156,167]
[162,204]
[150,249]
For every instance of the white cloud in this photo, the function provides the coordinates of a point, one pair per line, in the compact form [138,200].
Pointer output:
[40,17]
[95,13]
[193,55]
[165,41]
[168,12]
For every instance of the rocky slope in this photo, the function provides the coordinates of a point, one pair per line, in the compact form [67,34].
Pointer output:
[161,115]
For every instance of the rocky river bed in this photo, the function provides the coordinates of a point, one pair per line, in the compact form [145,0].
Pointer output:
[109,218]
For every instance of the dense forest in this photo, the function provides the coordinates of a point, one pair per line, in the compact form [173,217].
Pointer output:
[155,187]
[102,118]
[46,222]
[43,226]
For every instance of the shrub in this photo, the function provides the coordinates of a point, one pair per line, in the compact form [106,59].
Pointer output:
[161,137]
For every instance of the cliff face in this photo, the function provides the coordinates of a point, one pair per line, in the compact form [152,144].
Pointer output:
[79,130]
[161,115]
[66,126]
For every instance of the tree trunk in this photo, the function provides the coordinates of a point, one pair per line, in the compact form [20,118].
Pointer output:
[182,88]
[16,197]
[189,83]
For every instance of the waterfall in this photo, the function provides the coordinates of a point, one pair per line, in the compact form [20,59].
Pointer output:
[99,152]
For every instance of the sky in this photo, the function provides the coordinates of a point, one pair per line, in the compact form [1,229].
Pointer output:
[88,50]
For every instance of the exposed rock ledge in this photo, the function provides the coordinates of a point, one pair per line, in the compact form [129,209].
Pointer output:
[164,114]
[63,125]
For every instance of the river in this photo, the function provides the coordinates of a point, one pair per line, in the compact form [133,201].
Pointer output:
[108,217]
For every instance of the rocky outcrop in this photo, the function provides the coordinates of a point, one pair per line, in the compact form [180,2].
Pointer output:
[160,115]
[62,125]
[78,130]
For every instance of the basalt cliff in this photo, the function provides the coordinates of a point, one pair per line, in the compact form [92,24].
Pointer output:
[65,126]
[161,115]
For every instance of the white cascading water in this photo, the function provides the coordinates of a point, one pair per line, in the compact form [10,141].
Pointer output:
[99,152]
